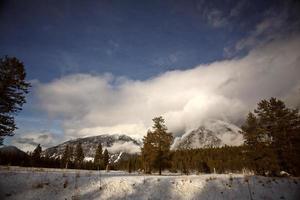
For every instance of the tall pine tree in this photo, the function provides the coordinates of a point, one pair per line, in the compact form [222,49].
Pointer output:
[98,159]
[79,155]
[36,155]
[274,136]
[13,88]
[66,157]
[105,159]
[156,149]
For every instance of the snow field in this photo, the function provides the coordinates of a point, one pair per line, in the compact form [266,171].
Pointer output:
[34,183]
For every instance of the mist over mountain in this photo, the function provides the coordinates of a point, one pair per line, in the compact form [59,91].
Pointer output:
[117,145]
[214,133]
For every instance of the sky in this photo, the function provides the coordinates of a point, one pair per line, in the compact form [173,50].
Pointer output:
[107,67]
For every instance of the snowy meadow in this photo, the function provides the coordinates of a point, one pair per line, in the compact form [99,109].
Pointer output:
[41,183]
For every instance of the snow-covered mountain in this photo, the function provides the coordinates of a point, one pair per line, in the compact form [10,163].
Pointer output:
[213,133]
[118,146]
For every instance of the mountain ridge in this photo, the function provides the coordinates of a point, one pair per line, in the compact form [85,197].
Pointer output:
[213,133]
[116,144]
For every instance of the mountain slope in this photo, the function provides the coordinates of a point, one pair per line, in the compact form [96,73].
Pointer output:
[214,133]
[12,155]
[12,151]
[117,146]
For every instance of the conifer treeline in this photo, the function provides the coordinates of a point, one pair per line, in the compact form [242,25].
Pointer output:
[71,159]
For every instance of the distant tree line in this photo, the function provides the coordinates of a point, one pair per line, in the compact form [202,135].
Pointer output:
[71,159]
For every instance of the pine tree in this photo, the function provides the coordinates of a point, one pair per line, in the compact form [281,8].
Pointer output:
[273,137]
[156,149]
[129,167]
[105,159]
[79,156]
[148,152]
[250,130]
[36,155]
[13,88]
[66,157]
[98,156]
[71,154]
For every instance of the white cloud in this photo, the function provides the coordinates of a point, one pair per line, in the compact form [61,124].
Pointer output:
[128,147]
[226,90]
[29,141]
[274,25]
[268,29]
[215,17]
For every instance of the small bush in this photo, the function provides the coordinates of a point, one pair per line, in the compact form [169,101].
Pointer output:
[66,183]
[38,185]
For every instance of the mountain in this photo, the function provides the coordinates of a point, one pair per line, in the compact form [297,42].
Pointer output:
[12,150]
[118,146]
[12,155]
[213,133]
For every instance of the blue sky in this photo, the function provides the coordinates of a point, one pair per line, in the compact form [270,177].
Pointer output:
[137,39]
[133,40]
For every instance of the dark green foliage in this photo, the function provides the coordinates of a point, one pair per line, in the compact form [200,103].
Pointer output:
[79,156]
[129,169]
[66,157]
[98,159]
[223,159]
[36,155]
[13,88]
[156,149]
[13,157]
[130,164]
[105,158]
[273,136]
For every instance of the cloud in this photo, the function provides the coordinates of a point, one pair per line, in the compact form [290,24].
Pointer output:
[226,90]
[238,8]
[265,31]
[218,16]
[215,18]
[275,24]
[29,141]
[128,147]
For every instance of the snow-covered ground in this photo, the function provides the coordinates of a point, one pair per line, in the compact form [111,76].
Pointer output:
[34,183]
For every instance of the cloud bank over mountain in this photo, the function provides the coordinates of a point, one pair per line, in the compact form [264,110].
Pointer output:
[93,104]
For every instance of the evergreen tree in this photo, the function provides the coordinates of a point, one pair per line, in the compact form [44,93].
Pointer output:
[156,149]
[251,133]
[98,156]
[129,168]
[13,88]
[71,154]
[36,155]
[105,158]
[273,136]
[66,157]
[79,156]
